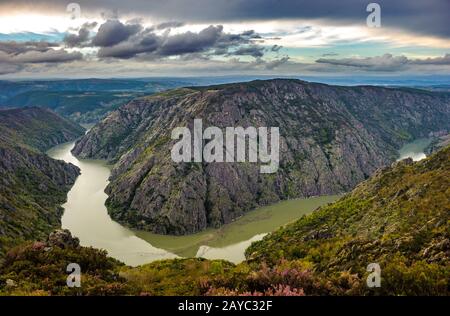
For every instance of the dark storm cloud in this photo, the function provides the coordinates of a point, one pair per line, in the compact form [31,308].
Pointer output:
[81,38]
[418,16]
[191,42]
[211,40]
[143,43]
[113,32]
[15,55]
[387,62]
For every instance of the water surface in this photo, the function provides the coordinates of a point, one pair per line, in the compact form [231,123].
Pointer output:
[414,149]
[85,215]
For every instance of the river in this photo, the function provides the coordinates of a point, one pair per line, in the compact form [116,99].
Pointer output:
[85,215]
[414,149]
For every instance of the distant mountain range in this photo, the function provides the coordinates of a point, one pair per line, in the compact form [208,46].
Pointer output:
[89,100]
[82,100]
[332,138]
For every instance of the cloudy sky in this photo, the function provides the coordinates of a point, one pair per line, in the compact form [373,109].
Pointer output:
[121,38]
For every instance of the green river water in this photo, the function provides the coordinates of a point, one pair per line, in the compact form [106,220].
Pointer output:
[85,215]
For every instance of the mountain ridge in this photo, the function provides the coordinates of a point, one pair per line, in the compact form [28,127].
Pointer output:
[332,138]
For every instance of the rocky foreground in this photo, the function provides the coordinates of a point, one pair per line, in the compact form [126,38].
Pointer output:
[332,138]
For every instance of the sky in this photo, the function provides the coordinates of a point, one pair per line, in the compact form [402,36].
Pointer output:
[131,38]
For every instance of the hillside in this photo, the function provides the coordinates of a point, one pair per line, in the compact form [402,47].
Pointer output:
[80,106]
[331,139]
[82,100]
[399,218]
[32,185]
[36,128]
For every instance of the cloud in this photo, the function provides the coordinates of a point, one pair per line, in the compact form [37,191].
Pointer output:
[250,34]
[167,25]
[15,56]
[445,60]
[49,56]
[386,62]
[276,63]
[417,16]
[146,43]
[8,68]
[15,48]
[113,32]
[276,48]
[212,40]
[330,54]
[190,42]
[80,39]
[255,51]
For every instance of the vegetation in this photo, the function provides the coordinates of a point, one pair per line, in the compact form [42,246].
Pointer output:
[32,185]
[39,268]
[332,138]
[399,219]
[81,106]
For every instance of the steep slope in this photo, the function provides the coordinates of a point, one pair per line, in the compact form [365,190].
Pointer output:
[37,128]
[399,218]
[331,138]
[80,106]
[32,185]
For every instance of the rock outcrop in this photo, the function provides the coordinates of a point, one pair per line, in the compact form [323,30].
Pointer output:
[331,139]
[62,238]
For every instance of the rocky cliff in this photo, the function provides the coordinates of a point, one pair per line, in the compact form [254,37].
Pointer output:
[32,185]
[331,138]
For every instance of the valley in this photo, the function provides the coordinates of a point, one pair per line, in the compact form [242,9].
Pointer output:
[32,185]
[85,215]
[331,139]
[78,177]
